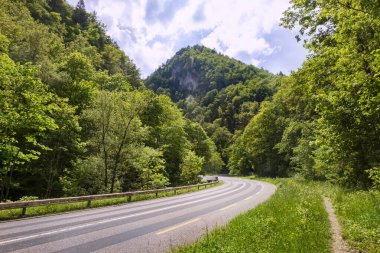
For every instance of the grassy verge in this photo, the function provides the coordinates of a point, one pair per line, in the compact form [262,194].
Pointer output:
[52,209]
[359,215]
[294,220]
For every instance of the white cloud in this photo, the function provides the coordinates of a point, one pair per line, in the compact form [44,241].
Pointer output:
[150,31]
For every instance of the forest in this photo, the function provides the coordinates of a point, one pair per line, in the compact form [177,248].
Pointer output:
[76,117]
[324,121]
[321,122]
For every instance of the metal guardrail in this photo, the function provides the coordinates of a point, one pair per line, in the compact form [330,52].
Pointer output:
[89,198]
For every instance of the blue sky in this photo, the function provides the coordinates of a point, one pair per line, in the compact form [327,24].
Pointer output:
[151,31]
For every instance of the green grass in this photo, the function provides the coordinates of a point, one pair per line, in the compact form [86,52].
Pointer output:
[359,215]
[59,208]
[294,220]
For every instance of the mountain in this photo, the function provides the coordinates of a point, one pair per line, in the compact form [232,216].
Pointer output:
[219,92]
[197,70]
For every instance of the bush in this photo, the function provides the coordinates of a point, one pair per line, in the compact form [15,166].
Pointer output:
[28,198]
[374,175]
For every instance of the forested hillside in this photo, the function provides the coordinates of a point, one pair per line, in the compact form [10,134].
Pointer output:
[324,121]
[220,93]
[75,117]
[197,70]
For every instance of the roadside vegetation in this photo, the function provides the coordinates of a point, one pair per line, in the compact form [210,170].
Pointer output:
[294,220]
[75,116]
[59,208]
[359,215]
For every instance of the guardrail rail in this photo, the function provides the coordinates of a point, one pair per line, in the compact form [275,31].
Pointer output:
[89,198]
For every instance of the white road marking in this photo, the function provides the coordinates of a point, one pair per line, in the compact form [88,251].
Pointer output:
[109,220]
[228,207]
[177,226]
[257,193]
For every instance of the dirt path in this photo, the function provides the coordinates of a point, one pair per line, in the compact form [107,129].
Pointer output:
[339,246]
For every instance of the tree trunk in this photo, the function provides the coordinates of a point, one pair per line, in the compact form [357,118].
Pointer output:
[8,185]
[54,163]
[117,156]
[2,179]
[105,167]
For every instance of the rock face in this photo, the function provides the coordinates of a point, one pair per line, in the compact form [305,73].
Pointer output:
[190,82]
[197,70]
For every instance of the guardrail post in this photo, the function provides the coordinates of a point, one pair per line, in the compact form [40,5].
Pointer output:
[175,191]
[23,212]
[198,187]
[89,203]
[156,194]
[129,198]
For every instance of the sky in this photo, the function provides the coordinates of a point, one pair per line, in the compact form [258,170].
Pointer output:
[152,31]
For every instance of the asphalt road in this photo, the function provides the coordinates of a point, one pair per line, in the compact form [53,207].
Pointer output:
[147,226]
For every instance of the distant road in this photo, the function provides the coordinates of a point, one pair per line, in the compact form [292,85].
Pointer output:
[146,226]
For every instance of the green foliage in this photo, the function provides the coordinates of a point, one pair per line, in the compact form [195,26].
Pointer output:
[25,117]
[198,70]
[374,175]
[220,93]
[80,16]
[64,146]
[35,125]
[145,169]
[237,104]
[28,198]
[167,132]
[254,151]
[152,167]
[117,82]
[191,167]
[84,179]
[204,147]
[4,44]
[78,67]
[347,136]
[116,128]
[325,116]
[51,71]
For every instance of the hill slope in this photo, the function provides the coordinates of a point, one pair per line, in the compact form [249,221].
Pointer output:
[219,92]
[197,70]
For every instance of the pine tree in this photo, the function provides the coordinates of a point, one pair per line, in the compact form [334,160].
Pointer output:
[80,15]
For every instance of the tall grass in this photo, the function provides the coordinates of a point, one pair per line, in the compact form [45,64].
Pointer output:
[359,215]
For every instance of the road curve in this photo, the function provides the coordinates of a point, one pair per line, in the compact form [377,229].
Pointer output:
[147,226]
